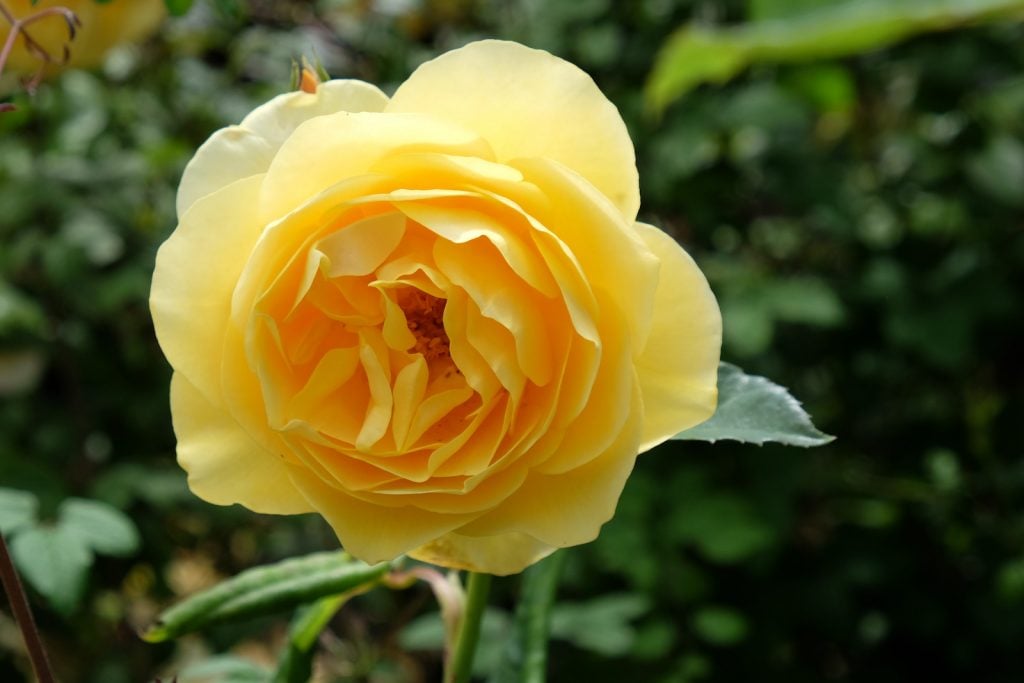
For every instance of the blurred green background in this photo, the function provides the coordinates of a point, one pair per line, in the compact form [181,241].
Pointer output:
[857,206]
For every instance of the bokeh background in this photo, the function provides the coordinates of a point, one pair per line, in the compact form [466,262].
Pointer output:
[859,217]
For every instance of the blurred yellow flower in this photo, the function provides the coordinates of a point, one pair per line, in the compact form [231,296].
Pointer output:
[103,26]
[432,318]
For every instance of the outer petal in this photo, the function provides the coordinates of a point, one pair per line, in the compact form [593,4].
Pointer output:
[368,531]
[247,149]
[529,103]
[224,464]
[502,554]
[197,269]
[678,368]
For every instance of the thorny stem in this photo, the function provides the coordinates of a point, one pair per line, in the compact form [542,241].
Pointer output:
[23,615]
[19,29]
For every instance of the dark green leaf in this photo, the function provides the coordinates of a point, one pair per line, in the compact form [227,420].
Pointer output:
[601,625]
[296,662]
[225,669]
[720,625]
[178,7]
[55,562]
[427,632]
[725,528]
[752,409]
[525,656]
[105,529]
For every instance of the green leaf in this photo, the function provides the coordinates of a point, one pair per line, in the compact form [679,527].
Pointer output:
[720,625]
[178,7]
[55,562]
[600,625]
[752,409]
[999,170]
[18,509]
[525,656]
[427,633]
[725,528]
[695,54]
[105,529]
[265,590]
[224,669]
[296,662]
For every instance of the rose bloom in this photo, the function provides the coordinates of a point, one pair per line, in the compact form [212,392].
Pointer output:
[104,25]
[432,319]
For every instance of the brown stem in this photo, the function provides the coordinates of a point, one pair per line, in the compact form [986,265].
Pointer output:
[23,615]
[19,27]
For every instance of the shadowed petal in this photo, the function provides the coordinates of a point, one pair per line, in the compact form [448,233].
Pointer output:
[224,464]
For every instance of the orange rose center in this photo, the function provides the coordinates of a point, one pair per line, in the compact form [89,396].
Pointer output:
[424,315]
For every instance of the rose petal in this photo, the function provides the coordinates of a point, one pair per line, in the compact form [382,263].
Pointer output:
[366,530]
[224,464]
[529,103]
[611,254]
[330,149]
[567,509]
[501,555]
[678,368]
[247,149]
[196,270]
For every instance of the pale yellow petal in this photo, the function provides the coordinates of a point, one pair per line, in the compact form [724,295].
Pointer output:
[370,532]
[529,103]
[358,248]
[196,271]
[501,555]
[279,117]
[224,464]
[678,368]
[230,154]
[239,151]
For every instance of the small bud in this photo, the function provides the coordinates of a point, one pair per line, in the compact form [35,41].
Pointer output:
[308,81]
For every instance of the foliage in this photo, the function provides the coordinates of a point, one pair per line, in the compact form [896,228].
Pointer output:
[755,410]
[695,54]
[859,218]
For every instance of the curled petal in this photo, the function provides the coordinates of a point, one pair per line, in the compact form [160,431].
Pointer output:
[247,149]
[501,554]
[678,367]
[224,464]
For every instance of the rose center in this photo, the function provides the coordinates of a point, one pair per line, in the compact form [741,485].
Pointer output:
[424,315]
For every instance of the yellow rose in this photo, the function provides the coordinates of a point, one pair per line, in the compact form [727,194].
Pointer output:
[432,318]
[103,27]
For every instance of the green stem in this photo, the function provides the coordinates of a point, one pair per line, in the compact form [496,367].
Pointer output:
[461,661]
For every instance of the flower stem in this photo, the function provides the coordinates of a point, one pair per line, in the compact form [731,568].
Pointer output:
[23,615]
[461,660]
